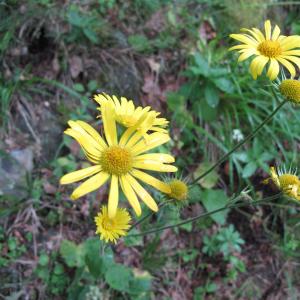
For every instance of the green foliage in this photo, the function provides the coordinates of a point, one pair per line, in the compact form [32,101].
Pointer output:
[227,242]
[215,199]
[93,263]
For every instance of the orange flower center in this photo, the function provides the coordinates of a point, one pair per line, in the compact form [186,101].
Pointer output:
[269,48]
[290,89]
[116,160]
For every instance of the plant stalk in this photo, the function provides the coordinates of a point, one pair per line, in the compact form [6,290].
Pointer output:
[247,138]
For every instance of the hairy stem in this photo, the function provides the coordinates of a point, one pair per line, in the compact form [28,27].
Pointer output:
[193,219]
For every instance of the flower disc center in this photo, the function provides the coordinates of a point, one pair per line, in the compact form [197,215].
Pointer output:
[269,48]
[116,160]
[288,180]
[179,190]
[290,89]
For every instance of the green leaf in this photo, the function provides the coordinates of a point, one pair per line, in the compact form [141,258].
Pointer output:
[93,259]
[215,199]
[72,254]
[211,95]
[211,179]
[202,67]
[134,240]
[139,42]
[44,260]
[91,35]
[206,112]
[118,277]
[224,84]
[78,87]
[140,283]
[249,169]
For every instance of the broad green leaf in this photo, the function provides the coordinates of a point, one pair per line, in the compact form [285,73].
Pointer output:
[224,84]
[249,169]
[93,258]
[211,179]
[211,95]
[72,254]
[118,277]
[215,199]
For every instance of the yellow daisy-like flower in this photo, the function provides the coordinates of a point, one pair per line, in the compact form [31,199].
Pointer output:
[119,161]
[290,89]
[111,229]
[270,47]
[179,190]
[288,182]
[138,118]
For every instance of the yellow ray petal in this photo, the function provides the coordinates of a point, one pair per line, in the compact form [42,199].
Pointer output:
[150,180]
[155,139]
[142,193]
[244,39]
[238,47]
[288,65]
[100,99]
[259,33]
[90,185]
[257,65]
[159,185]
[113,198]
[80,174]
[130,195]
[91,152]
[294,59]
[246,55]
[273,69]
[256,36]
[291,52]
[80,130]
[91,131]
[290,42]
[276,33]
[268,29]
[154,166]
[160,157]
[109,124]
[134,139]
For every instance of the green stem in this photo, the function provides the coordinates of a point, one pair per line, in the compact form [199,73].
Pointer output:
[193,219]
[247,138]
[151,213]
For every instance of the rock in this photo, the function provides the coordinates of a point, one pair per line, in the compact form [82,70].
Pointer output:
[14,167]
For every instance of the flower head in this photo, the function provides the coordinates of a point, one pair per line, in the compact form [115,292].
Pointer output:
[110,229]
[121,161]
[287,182]
[138,118]
[179,190]
[270,47]
[290,89]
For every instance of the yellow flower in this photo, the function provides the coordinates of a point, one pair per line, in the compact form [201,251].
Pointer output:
[179,190]
[112,229]
[126,114]
[290,89]
[288,182]
[119,161]
[271,48]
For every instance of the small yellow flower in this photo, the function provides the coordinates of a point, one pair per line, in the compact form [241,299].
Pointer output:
[119,161]
[112,229]
[179,190]
[270,47]
[138,118]
[290,89]
[287,182]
